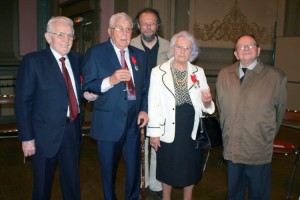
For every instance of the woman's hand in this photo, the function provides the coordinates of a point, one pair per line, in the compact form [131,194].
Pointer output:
[206,97]
[155,142]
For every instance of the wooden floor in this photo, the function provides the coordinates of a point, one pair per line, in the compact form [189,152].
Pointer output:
[16,177]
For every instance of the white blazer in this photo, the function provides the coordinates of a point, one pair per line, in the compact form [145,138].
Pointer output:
[161,101]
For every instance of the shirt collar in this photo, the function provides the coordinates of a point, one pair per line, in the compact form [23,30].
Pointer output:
[57,55]
[116,48]
[251,66]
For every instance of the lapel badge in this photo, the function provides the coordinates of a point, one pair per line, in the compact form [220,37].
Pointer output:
[133,60]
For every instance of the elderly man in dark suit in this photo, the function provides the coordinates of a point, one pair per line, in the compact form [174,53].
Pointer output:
[117,72]
[47,109]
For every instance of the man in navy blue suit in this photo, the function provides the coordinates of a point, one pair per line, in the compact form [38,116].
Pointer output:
[121,108]
[48,114]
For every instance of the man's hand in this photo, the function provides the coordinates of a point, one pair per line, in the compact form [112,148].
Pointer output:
[28,148]
[142,119]
[90,96]
[119,76]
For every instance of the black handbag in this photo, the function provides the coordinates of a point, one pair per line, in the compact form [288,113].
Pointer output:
[209,133]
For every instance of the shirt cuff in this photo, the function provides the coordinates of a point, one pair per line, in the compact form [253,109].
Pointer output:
[105,86]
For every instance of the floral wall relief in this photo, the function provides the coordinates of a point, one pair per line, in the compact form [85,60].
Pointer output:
[255,17]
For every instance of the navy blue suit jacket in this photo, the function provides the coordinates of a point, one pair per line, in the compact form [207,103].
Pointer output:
[110,109]
[41,100]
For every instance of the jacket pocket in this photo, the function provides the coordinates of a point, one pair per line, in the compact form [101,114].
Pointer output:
[163,128]
[262,132]
[157,129]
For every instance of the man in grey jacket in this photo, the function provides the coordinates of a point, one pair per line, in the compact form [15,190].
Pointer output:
[251,99]
[148,25]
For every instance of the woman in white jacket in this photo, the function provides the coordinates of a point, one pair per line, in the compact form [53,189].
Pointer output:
[178,94]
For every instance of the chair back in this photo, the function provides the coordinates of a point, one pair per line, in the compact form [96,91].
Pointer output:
[291,116]
[291,120]
[7,99]
[7,129]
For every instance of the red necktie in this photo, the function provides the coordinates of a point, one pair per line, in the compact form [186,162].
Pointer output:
[73,105]
[129,84]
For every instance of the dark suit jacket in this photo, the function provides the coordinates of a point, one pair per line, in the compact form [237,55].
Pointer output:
[41,101]
[110,109]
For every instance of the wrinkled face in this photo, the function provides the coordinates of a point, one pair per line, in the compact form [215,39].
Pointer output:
[182,50]
[60,37]
[120,33]
[246,50]
[148,26]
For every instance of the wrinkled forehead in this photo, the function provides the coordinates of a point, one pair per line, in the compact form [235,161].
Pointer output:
[122,22]
[60,26]
[245,40]
[147,16]
[183,41]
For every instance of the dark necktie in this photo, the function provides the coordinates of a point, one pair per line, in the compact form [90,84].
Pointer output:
[73,105]
[242,78]
[129,84]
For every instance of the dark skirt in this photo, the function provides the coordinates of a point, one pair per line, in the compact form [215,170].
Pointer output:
[179,164]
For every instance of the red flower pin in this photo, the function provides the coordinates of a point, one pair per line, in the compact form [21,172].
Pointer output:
[134,62]
[81,79]
[194,80]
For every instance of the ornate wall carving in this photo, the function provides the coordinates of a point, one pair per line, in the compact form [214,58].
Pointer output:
[219,23]
[232,25]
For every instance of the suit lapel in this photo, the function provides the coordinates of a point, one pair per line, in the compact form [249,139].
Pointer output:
[54,69]
[112,56]
[192,70]
[167,78]
[134,66]
[136,72]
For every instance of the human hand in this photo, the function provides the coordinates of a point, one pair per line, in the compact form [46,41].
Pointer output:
[90,96]
[155,142]
[142,119]
[206,97]
[28,148]
[119,76]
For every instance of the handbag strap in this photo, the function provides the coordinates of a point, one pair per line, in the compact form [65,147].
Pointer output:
[206,160]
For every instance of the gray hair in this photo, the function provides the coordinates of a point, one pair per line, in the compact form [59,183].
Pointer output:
[188,36]
[119,16]
[59,19]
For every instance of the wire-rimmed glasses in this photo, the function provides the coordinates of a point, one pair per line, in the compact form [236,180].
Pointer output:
[61,35]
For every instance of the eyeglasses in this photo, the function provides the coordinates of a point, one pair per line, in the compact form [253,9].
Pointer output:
[185,48]
[61,35]
[243,47]
[120,29]
[145,24]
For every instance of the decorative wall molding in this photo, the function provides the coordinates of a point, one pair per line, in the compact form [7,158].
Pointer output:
[233,24]
[217,23]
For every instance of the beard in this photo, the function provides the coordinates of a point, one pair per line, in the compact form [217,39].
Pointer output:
[148,38]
